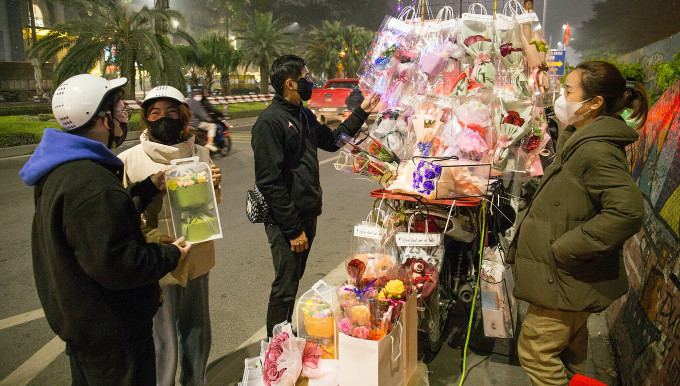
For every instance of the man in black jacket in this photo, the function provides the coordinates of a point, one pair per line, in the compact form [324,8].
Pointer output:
[97,278]
[285,139]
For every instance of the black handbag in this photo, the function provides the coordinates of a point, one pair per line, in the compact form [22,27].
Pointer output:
[257,209]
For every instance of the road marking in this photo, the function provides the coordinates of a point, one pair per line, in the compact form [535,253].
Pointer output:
[35,364]
[21,318]
[328,160]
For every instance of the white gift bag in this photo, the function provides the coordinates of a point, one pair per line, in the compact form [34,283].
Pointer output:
[391,361]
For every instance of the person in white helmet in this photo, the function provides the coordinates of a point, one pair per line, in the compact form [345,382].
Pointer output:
[182,325]
[96,276]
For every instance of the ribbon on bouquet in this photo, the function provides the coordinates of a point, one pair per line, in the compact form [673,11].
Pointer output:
[519,81]
[503,142]
[400,80]
[188,217]
[360,293]
[393,303]
[543,68]
[473,126]
[479,60]
[311,355]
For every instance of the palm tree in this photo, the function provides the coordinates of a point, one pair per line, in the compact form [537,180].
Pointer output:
[357,43]
[322,48]
[111,26]
[214,53]
[333,46]
[262,41]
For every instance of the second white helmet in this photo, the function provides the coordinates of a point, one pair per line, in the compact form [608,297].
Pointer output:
[159,92]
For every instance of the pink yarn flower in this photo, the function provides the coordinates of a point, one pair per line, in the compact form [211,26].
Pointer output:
[345,326]
[360,332]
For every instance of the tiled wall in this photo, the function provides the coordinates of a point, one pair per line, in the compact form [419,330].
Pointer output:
[645,324]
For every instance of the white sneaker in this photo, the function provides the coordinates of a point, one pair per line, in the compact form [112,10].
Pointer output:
[212,148]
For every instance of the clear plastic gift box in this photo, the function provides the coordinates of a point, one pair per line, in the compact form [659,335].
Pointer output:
[315,320]
[192,200]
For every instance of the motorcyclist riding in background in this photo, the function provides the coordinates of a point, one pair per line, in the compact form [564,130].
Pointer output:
[205,116]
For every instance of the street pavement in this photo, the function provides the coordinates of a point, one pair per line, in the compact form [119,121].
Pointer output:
[239,284]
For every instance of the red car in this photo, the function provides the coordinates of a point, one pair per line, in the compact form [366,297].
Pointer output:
[329,102]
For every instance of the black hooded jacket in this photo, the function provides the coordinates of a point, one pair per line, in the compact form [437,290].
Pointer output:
[285,139]
[96,276]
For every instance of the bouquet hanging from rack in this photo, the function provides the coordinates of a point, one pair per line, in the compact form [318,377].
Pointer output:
[391,47]
[391,129]
[476,37]
[536,50]
[426,122]
[512,121]
[473,123]
[509,50]
[534,144]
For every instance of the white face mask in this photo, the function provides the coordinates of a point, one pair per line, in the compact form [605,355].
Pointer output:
[565,110]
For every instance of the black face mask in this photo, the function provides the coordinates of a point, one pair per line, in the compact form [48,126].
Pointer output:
[305,88]
[166,130]
[118,139]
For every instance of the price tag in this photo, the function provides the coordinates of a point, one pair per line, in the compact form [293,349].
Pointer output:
[418,239]
[504,22]
[416,253]
[527,17]
[369,232]
[476,17]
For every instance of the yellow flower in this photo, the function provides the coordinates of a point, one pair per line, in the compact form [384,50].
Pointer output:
[172,184]
[395,289]
[361,314]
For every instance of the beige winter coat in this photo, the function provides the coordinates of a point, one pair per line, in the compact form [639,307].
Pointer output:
[151,157]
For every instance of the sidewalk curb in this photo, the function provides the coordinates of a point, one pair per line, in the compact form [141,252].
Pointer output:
[16,151]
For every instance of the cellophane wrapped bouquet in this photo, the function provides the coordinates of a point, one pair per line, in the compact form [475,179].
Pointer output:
[466,89]
[377,286]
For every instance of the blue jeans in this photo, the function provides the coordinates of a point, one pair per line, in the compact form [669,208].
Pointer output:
[289,267]
[182,325]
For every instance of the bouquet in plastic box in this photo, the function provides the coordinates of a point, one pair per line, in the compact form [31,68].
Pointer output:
[461,178]
[315,318]
[192,200]
[476,33]
[512,121]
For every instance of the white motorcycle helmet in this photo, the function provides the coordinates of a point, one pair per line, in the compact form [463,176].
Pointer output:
[77,100]
[159,92]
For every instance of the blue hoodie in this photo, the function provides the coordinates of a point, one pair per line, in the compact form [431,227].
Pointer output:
[57,148]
